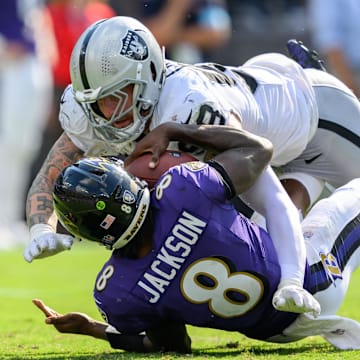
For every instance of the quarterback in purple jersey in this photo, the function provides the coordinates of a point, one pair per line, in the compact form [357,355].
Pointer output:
[184,255]
[209,266]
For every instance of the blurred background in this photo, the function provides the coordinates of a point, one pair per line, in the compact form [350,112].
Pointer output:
[37,36]
[254,26]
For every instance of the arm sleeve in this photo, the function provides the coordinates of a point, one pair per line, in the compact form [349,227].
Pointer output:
[229,187]
[169,337]
[268,197]
[313,186]
[133,343]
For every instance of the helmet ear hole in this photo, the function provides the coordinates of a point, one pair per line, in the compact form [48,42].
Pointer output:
[153,71]
[95,108]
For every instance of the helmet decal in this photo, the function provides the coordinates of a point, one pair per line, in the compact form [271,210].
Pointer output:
[128,197]
[134,46]
[108,238]
[100,205]
[108,221]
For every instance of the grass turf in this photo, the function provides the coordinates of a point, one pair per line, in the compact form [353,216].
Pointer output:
[65,282]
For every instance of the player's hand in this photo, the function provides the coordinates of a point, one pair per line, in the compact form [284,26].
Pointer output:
[74,323]
[155,142]
[45,242]
[291,297]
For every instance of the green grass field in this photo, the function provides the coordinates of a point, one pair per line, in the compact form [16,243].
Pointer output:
[65,283]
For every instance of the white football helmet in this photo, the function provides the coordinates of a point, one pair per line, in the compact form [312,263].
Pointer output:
[110,55]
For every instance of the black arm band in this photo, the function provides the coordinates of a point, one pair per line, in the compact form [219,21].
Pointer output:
[229,187]
[239,205]
[133,343]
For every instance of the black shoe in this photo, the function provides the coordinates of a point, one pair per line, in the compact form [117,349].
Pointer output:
[307,58]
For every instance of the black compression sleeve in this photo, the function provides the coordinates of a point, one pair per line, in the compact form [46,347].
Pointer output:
[169,337]
[134,343]
[230,190]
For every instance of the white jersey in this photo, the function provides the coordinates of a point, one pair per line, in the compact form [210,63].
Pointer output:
[333,153]
[265,98]
[270,100]
[270,95]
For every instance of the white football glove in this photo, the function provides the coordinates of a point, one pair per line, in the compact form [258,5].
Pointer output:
[292,297]
[44,242]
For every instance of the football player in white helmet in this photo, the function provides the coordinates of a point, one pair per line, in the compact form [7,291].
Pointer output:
[117,65]
[119,92]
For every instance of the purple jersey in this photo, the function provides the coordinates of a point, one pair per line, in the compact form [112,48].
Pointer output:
[209,267]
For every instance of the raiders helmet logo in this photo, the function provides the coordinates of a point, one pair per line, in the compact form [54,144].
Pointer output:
[134,46]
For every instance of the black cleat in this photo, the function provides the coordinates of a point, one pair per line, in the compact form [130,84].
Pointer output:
[305,57]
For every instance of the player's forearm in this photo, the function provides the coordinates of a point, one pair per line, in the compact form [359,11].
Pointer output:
[288,240]
[268,197]
[39,207]
[242,154]
[95,329]
[217,137]
[87,326]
